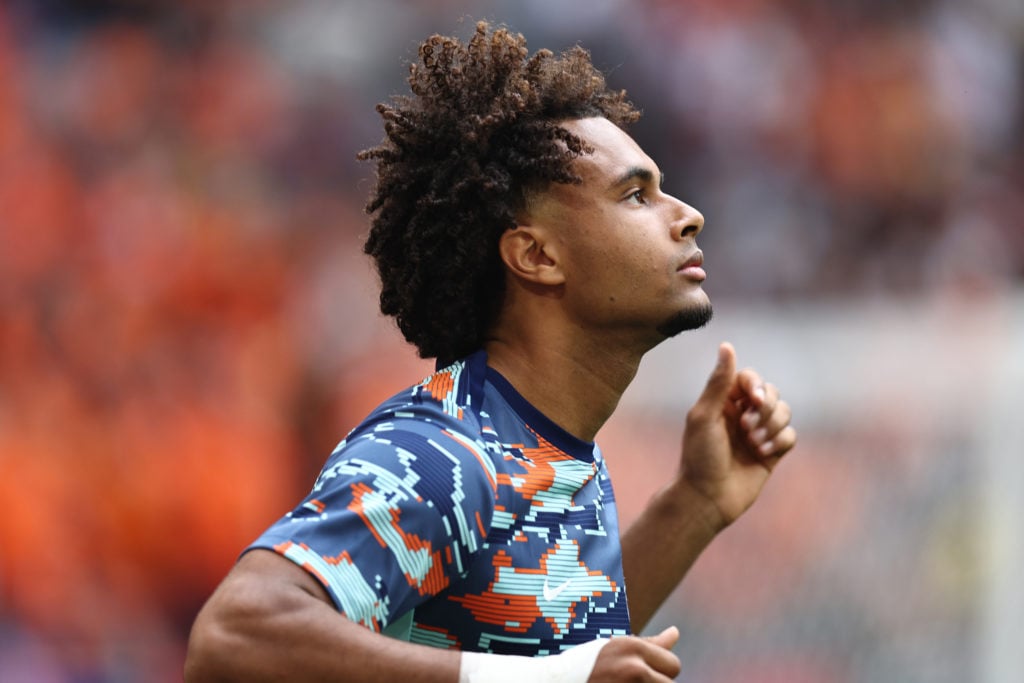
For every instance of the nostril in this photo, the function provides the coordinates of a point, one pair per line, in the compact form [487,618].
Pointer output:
[683,229]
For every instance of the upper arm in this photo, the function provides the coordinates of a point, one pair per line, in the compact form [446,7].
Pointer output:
[265,572]
[253,605]
[262,586]
[270,620]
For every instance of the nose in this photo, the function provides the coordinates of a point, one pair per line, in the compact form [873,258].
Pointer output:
[688,221]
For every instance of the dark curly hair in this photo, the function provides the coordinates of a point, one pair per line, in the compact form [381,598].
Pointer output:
[460,156]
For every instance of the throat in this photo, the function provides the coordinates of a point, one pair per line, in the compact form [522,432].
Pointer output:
[578,394]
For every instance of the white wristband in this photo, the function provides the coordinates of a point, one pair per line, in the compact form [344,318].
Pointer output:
[572,666]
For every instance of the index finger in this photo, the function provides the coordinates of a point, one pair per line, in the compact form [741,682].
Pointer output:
[748,388]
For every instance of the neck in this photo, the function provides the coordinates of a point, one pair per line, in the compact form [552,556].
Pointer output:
[578,386]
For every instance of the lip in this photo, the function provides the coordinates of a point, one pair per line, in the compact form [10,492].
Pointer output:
[691,268]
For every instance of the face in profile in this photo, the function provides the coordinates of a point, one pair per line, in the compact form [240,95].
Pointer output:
[628,249]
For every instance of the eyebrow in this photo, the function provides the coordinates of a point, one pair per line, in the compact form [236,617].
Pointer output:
[637,173]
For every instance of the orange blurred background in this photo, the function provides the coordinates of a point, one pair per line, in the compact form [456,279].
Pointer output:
[188,326]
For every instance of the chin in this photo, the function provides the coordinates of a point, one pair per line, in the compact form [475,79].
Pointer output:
[690,318]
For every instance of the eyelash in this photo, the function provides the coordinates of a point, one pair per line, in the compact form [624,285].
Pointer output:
[639,195]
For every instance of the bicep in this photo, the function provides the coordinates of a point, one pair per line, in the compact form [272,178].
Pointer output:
[257,620]
[263,570]
[261,590]
[271,620]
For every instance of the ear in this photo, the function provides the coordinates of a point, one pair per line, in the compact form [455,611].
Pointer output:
[530,255]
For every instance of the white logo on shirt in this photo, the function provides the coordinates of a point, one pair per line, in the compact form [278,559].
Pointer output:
[549,594]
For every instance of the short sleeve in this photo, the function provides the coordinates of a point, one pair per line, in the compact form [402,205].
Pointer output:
[397,513]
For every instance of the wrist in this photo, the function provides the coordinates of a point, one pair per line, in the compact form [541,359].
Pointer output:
[572,666]
[683,500]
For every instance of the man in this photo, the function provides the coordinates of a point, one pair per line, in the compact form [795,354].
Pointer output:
[522,239]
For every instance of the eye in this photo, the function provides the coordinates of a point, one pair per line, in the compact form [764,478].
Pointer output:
[637,197]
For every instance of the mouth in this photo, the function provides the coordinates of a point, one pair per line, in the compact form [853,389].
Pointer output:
[692,268]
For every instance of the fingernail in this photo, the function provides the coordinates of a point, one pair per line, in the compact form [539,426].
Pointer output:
[766,447]
[759,392]
[751,418]
[759,435]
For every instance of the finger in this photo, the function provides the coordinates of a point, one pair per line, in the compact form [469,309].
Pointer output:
[756,415]
[658,652]
[780,444]
[768,427]
[666,639]
[632,658]
[750,387]
[720,382]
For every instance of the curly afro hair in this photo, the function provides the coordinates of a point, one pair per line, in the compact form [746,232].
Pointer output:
[460,155]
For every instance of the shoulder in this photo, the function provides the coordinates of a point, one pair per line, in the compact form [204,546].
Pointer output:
[430,433]
[450,398]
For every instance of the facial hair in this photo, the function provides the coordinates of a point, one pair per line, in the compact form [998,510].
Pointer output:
[687,319]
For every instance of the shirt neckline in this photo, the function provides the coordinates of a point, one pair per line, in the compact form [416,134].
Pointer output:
[539,422]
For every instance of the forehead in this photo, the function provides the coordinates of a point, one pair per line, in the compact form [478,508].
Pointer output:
[615,152]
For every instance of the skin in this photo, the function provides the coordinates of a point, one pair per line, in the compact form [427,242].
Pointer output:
[599,263]
[593,272]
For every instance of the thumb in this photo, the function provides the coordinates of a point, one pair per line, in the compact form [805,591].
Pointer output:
[666,639]
[716,391]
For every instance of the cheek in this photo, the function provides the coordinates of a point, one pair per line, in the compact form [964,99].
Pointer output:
[635,274]
[618,258]
[645,263]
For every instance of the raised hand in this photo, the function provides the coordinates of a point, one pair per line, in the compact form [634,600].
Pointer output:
[735,435]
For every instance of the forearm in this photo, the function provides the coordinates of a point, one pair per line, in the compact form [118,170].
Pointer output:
[661,546]
[255,630]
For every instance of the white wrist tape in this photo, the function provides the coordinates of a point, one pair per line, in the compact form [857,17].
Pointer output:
[572,666]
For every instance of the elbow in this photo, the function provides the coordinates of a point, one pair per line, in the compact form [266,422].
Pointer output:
[224,644]
[197,665]
[206,659]
[254,626]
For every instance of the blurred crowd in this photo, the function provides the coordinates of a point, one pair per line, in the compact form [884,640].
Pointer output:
[187,324]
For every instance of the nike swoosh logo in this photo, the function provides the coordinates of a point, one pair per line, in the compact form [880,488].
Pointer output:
[549,594]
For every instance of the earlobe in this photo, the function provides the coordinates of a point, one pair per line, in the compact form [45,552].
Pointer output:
[530,256]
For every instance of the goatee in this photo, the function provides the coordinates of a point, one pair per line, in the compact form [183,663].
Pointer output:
[688,319]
